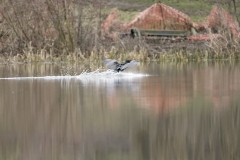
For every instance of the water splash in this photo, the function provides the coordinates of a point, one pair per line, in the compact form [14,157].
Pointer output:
[36,78]
[85,75]
[110,73]
[108,78]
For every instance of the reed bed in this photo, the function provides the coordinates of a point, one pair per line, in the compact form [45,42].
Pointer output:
[121,54]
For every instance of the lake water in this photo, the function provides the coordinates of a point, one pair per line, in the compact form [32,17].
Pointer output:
[156,111]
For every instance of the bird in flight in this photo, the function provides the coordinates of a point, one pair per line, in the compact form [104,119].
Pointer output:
[118,67]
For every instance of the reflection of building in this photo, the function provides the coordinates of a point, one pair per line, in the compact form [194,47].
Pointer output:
[163,95]
[174,87]
[217,83]
[214,84]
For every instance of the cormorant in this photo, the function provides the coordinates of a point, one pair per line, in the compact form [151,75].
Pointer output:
[117,67]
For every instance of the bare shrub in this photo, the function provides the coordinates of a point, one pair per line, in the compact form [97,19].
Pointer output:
[223,47]
[58,25]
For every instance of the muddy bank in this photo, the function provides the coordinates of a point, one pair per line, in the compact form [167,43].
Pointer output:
[159,45]
[174,45]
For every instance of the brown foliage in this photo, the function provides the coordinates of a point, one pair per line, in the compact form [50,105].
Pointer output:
[220,18]
[57,26]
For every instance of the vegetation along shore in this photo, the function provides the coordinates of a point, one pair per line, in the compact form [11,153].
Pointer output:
[54,31]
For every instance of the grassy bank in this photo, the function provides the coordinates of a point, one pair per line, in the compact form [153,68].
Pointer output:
[197,10]
[54,31]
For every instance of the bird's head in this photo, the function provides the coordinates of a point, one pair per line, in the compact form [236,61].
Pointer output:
[127,61]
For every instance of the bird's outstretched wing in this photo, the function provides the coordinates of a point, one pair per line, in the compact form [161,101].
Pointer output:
[111,63]
[131,64]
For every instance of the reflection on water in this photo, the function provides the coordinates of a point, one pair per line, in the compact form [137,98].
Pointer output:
[161,111]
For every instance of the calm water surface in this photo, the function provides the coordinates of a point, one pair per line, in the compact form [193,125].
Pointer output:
[157,111]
